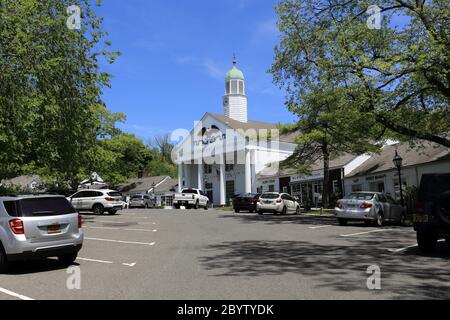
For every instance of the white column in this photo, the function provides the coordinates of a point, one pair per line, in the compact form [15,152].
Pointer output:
[200,175]
[253,166]
[187,175]
[180,176]
[223,200]
[248,171]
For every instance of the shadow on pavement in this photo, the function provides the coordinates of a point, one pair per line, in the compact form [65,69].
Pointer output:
[35,266]
[338,267]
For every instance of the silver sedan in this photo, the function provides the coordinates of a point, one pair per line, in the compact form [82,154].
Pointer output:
[371,207]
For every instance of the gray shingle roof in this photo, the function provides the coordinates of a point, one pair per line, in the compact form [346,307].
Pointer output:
[429,152]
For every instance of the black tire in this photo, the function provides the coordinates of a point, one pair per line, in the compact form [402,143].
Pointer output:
[206,206]
[3,261]
[67,259]
[237,210]
[342,222]
[260,212]
[177,206]
[284,212]
[98,209]
[427,241]
[196,205]
[379,222]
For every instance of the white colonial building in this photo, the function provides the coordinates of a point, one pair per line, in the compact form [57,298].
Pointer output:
[223,154]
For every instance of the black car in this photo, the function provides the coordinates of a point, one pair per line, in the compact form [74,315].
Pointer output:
[245,202]
[432,214]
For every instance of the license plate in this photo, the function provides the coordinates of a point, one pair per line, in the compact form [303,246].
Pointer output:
[54,229]
[421,219]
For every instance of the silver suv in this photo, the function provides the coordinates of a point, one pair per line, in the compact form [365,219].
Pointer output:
[97,201]
[38,227]
[141,201]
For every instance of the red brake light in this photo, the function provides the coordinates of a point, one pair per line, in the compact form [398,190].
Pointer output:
[279,200]
[16,226]
[338,205]
[193,197]
[109,199]
[80,221]
[366,205]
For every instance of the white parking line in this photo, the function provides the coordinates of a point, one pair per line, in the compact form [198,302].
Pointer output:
[13,294]
[124,229]
[120,241]
[319,227]
[367,232]
[95,260]
[406,248]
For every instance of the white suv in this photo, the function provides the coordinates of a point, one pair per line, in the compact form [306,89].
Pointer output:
[275,202]
[38,227]
[97,201]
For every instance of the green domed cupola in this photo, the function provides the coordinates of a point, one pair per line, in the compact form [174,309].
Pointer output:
[235,100]
[235,73]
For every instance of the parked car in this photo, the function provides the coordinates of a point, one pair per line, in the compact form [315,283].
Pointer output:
[191,198]
[97,201]
[432,213]
[141,201]
[278,203]
[38,227]
[246,201]
[370,207]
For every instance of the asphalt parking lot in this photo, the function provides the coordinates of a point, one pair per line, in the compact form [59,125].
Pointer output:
[188,254]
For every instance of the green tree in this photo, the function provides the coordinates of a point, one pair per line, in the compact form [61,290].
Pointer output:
[50,88]
[397,77]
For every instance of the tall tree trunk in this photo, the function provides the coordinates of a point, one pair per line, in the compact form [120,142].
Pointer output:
[326,175]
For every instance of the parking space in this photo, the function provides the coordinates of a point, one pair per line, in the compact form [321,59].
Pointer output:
[188,254]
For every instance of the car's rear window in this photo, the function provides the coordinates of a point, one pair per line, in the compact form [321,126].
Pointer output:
[114,194]
[138,197]
[11,208]
[434,185]
[361,196]
[44,207]
[270,196]
[189,191]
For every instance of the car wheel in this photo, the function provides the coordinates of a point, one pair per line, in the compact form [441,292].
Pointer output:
[342,222]
[237,210]
[427,241]
[3,261]
[177,206]
[196,205]
[284,211]
[379,222]
[112,212]
[98,209]
[67,259]
[260,212]
[206,205]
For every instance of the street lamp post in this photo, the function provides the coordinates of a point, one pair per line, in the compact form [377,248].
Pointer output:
[398,162]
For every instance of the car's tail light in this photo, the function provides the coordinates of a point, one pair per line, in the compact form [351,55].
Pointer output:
[80,221]
[339,205]
[193,197]
[366,205]
[109,199]
[279,200]
[16,226]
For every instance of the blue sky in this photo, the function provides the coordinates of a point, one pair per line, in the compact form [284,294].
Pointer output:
[176,54]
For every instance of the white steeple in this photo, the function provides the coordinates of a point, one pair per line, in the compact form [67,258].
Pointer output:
[235,100]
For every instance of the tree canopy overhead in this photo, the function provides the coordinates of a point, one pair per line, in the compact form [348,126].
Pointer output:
[396,79]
